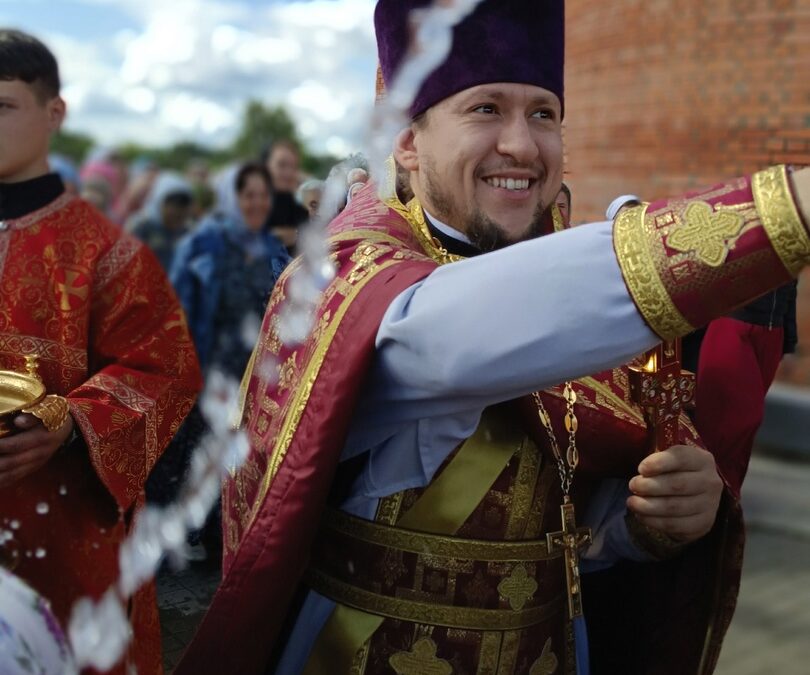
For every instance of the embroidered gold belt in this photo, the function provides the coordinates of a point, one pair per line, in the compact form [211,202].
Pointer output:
[435,579]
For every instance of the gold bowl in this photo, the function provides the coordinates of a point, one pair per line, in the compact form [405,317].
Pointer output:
[17,393]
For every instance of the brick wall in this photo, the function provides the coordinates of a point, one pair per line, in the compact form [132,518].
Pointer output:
[666,95]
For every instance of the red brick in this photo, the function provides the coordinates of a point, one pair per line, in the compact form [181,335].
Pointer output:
[665,96]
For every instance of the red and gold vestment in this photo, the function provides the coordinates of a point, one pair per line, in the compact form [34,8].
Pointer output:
[94,305]
[740,240]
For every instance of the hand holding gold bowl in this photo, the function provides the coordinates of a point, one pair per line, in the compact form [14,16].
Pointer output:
[25,393]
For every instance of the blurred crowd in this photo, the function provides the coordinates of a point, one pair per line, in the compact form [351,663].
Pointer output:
[223,236]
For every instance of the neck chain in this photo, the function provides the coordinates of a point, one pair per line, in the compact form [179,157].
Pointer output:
[567,464]
[570,539]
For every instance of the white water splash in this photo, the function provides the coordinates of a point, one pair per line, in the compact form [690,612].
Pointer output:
[99,631]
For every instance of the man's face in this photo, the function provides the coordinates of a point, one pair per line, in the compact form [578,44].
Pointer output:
[26,125]
[564,207]
[312,202]
[487,161]
[283,166]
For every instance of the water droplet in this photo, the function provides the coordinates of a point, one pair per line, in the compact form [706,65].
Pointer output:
[28,554]
[43,508]
[63,490]
[15,524]
[40,553]
[95,544]
[103,530]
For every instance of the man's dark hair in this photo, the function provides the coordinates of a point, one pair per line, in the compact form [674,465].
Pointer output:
[567,190]
[247,170]
[23,57]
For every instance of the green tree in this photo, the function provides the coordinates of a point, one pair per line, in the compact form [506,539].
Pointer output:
[71,144]
[261,125]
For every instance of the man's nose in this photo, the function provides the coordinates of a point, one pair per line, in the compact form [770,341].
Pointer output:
[516,141]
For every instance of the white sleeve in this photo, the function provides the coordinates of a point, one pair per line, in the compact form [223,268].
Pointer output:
[486,330]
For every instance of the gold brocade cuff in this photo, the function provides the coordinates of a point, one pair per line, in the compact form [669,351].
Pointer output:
[653,542]
[691,259]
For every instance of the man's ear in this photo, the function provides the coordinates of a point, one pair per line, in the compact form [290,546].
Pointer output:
[57,109]
[405,149]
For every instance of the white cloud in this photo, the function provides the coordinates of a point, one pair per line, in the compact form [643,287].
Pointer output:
[188,67]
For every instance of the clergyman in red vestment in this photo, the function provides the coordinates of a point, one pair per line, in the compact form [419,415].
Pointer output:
[97,310]
[401,508]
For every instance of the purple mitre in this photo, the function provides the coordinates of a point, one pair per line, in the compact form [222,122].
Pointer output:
[519,41]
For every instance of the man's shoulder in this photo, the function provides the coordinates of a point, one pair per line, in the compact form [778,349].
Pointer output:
[370,220]
[99,240]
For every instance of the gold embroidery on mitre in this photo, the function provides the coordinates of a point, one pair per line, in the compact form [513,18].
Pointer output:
[421,660]
[547,663]
[517,588]
[709,234]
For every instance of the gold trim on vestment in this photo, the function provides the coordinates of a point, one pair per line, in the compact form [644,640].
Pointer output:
[428,613]
[780,218]
[459,489]
[414,215]
[606,392]
[347,626]
[302,392]
[365,235]
[633,240]
[438,545]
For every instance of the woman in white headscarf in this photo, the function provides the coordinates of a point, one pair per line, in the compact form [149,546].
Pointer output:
[165,217]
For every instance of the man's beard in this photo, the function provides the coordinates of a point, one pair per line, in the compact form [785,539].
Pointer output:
[484,233]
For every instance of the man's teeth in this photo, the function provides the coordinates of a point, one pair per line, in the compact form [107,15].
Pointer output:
[509,183]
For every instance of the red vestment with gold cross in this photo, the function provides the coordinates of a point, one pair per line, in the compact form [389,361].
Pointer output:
[96,308]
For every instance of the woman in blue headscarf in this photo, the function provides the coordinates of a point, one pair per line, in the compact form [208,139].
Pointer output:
[224,271]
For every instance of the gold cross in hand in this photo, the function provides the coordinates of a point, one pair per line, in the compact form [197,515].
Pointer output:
[570,540]
[662,390]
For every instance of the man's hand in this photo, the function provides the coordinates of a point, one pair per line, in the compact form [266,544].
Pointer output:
[677,492]
[30,448]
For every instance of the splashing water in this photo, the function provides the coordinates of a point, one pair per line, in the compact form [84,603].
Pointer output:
[40,553]
[99,631]
[62,490]
[433,38]
[432,41]
[43,508]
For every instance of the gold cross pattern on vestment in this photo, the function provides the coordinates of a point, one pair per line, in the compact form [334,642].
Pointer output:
[570,540]
[709,234]
[72,290]
[421,660]
[517,588]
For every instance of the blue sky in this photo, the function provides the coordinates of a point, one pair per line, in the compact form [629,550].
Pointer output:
[161,71]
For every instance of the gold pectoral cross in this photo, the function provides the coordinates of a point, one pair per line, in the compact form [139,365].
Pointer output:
[570,540]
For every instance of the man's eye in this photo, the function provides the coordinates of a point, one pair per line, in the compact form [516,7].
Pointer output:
[486,108]
[544,114]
